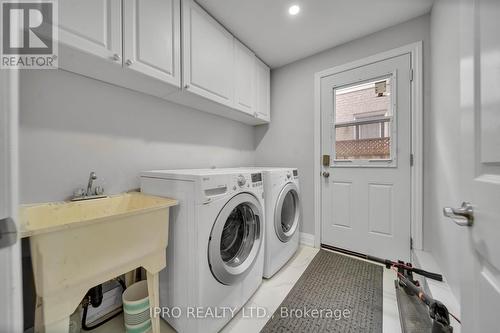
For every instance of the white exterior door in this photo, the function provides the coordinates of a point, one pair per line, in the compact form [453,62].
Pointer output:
[365,143]
[152,38]
[92,26]
[11,316]
[480,106]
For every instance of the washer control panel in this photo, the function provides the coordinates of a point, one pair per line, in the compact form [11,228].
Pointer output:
[246,180]
[241,180]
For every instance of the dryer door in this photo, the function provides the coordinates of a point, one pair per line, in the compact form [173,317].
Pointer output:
[287,212]
[235,239]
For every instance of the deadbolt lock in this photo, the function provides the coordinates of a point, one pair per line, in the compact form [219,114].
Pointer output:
[326,160]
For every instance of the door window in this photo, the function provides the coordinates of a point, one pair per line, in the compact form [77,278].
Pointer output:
[238,235]
[364,123]
[235,239]
[288,212]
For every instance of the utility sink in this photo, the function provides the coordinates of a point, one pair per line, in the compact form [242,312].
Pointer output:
[50,217]
[78,245]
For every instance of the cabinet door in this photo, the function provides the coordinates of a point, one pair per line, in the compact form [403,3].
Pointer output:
[92,26]
[244,95]
[152,38]
[263,90]
[208,59]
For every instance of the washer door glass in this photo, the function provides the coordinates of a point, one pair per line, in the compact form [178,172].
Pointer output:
[238,235]
[286,217]
[235,239]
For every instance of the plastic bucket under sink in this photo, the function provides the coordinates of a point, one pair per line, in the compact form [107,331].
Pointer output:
[136,308]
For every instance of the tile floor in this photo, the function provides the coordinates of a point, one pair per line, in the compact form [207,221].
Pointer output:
[272,292]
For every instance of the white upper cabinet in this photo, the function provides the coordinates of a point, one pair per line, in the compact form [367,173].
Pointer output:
[92,26]
[244,95]
[262,90]
[208,59]
[151,38]
[172,49]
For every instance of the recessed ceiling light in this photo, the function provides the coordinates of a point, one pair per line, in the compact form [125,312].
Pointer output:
[294,10]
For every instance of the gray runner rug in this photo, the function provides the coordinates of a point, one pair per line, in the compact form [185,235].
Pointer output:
[336,293]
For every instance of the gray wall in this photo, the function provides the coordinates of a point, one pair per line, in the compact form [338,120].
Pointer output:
[288,140]
[442,150]
[71,125]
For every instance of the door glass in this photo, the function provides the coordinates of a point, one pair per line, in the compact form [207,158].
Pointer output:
[238,235]
[363,121]
[288,212]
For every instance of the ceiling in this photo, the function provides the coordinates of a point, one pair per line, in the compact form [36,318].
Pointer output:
[278,38]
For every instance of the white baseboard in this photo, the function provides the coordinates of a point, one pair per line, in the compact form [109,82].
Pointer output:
[306,239]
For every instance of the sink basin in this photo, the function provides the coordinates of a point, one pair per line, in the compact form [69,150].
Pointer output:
[78,245]
[50,217]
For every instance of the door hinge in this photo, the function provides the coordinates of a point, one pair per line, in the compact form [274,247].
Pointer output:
[412,159]
[411,74]
[411,243]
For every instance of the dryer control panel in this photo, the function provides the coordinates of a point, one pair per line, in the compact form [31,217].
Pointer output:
[256,179]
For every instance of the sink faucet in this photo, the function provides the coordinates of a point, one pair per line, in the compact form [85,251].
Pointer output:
[90,193]
[92,177]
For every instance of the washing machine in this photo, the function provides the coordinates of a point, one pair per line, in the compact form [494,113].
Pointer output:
[215,254]
[282,202]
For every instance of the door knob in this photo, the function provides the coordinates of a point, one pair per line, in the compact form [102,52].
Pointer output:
[326,174]
[463,216]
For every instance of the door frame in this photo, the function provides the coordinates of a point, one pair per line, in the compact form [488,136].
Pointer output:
[12,310]
[416,96]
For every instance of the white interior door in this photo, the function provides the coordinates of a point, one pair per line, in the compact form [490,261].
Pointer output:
[10,253]
[365,142]
[480,104]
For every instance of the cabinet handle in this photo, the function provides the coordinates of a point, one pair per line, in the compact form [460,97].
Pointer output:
[129,62]
[116,57]
[186,86]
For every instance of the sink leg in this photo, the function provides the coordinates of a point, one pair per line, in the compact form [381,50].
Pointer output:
[154,299]
[41,323]
[61,326]
[38,327]
[129,278]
